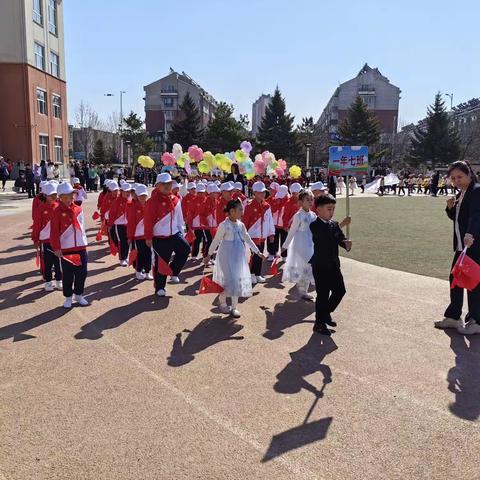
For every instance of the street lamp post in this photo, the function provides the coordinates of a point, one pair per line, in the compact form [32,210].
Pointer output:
[450,95]
[120,125]
[308,145]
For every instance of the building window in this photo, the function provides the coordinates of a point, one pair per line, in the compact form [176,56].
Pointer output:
[54,64]
[43,142]
[169,114]
[42,102]
[37,12]
[52,16]
[58,150]
[57,106]
[168,102]
[39,56]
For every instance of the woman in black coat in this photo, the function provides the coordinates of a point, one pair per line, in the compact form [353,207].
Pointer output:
[464,211]
[235,176]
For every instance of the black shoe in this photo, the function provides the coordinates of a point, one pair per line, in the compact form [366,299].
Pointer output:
[330,322]
[322,330]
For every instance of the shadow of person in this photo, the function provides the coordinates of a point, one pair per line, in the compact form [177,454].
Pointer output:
[305,361]
[118,316]
[24,257]
[206,334]
[464,378]
[286,315]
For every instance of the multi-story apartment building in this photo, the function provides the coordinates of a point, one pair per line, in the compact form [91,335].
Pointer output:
[377,92]
[82,141]
[258,111]
[33,93]
[164,97]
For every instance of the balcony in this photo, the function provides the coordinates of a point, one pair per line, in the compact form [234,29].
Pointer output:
[367,91]
[167,92]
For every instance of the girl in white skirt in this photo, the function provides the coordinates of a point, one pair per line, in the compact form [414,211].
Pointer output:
[231,269]
[300,247]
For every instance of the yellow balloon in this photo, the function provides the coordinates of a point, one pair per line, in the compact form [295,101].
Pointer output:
[295,171]
[209,159]
[249,176]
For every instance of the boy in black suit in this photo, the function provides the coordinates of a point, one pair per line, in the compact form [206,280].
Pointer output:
[327,236]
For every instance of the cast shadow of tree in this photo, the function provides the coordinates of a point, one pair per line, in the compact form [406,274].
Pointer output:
[207,333]
[464,378]
[304,362]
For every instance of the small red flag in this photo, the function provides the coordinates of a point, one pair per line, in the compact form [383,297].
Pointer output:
[74,259]
[132,257]
[95,216]
[37,259]
[466,273]
[274,267]
[163,268]
[190,237]
[207,285]
[113,248]
[99,235]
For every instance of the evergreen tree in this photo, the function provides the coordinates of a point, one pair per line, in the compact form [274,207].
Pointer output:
[305,135]
[224,133]
[276,132]
[437,141]
[111,156]
[133,131]
[98,152]
[187,130]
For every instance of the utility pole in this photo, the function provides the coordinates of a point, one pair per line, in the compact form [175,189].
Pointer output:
[120,125]
[450,95]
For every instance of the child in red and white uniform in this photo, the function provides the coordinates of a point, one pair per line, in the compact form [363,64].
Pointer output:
[259,222]
[69,242]
[212,202]
[80,194]
[39,199]
[291,206]
[238,193]
[117,223]
[278,207]
[176,189]
[164,232]
[188,199]
[136,233]
[198,221]
[113,192]
[41,238]
[226,192]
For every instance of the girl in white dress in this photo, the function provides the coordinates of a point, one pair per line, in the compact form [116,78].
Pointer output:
[340,185]
[300,247]
[231,269]
[353,184]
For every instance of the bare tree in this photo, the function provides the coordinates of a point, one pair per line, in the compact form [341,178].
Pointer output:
[87,120]
[113,122]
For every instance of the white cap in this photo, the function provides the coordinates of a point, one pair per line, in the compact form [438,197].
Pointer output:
[126,187]
[226,187]
[318,186]
[274,185]
[112,185]
[282,191]
[42,184]
[259,187]
[49,189]
[122,181]
[64,189]
[218,183]
[75,180]
[238,186]
[212,188]
[163,178]
[295,187]
[204,180]
[191,185]
[201,188]
[141,190]
[53,182]
[175,184]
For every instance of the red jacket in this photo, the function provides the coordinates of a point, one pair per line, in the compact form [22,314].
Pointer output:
[106,203]
[37,201]
[135,221]
[42,222]
[67,230]
[239,195]
[221,214]
[187,202]
[157,208]
[118,211]
[198,213]
[291,208]
[101,196]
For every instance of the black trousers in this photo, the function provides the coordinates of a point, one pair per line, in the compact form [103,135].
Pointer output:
[118,233]
[401,190]
[454,310]
[201,236]
[30,187]
[50,262]
[165,247]
[330,289]
[256,261]
[74,277]
[280,237]
[144,256]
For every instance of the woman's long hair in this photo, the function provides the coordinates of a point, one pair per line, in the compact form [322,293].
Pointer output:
[465,167]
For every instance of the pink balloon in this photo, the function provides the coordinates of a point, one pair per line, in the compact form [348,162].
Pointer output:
[259,166]
[282,164]
[195,153]
[279,171]
[168,159]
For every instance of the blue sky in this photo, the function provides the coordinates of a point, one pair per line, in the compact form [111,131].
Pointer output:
[237,50]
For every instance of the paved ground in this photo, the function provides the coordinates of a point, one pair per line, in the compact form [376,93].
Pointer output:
[137,387]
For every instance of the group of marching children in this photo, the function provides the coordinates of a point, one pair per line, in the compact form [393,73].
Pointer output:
[157,235]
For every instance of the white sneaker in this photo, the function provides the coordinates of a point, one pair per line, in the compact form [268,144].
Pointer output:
[140,276]
[123,263]
[235,313]
[211,262]
[271,258]
[174,279]
[224,308]
[149,276]
[81,300]
[260,279]
[254,279]
[161,293]
[59,285]
[68,302]
[448,323]
[470,328]
[49,287]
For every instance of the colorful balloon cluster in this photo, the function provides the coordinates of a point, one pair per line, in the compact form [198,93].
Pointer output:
[265,163]
[146,161]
